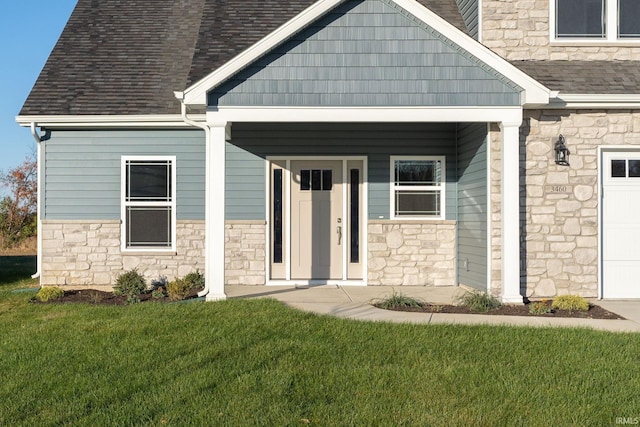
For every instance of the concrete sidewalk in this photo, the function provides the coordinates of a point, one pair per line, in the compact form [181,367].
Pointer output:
[354,302]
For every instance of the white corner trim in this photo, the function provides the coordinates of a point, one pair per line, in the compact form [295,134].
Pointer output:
[534,92]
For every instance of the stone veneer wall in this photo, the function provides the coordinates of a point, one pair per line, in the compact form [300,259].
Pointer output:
[412,253]
[519,30]
[560,228]
[245,255]
[87,254]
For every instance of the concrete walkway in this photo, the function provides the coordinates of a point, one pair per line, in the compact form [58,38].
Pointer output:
[354,302]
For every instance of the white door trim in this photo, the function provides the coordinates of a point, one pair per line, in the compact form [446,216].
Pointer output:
[287,191]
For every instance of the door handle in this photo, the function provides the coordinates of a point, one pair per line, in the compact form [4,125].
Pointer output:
[339,231]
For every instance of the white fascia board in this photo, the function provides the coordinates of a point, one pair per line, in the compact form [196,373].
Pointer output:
[535,92]
[98,121]
[595,101]
[511,115]
[197,93]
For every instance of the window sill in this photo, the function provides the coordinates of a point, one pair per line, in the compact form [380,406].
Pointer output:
[594,43]
[435,221]
[149,252]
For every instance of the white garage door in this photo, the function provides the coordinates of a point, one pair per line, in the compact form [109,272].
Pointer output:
[621,225]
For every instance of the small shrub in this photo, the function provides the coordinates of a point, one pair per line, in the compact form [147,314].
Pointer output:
[540,307]
[570,303]
[158,293]
[133,299]
[130,283]
[49,293]
[196,280]
[479,301]
[178,289]
[399,300]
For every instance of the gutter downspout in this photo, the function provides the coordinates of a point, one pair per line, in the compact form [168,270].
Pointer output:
[207,131]
[38,138]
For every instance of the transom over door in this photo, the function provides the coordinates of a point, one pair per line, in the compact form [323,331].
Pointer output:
[621,225]
[317,225]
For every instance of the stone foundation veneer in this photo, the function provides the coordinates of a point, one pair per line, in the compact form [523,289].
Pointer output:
[87,254]
[245,255]
[421,253]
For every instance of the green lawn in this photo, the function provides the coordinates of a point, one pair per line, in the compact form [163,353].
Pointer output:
[257,362]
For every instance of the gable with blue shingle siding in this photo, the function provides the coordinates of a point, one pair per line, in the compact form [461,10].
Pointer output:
[367,53]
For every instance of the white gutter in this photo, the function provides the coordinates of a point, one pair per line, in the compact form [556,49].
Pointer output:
[38,139]
[205,127]
[590,101]
[104,121]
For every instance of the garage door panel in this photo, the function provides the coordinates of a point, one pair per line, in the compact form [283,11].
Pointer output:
[621,242]
[621,225]
[621,280]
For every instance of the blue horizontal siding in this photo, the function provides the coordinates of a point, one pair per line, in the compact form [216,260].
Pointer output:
[82,170]
[252,143]
[472,205]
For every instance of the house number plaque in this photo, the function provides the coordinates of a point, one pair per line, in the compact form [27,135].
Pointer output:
[558,189]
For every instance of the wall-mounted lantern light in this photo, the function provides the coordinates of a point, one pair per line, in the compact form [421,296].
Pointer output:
[562,152]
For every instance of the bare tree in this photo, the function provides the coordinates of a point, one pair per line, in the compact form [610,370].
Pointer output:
[18,210]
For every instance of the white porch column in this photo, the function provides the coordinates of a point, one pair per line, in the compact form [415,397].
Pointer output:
[214,210]
[511,212]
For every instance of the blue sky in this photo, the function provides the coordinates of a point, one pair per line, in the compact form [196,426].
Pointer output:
[28,31]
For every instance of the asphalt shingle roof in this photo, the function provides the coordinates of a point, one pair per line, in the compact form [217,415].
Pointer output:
[118,57]
[128,56]
[585,77]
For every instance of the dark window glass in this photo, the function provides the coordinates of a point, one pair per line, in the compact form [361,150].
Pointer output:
[580,18]
[411,203]
[305,179]
[418,172]
[628,18]
[355,215]
[277,216]
[149,181]
[634,168]
[618,168]
[148,227]
[316,180]
[327,180]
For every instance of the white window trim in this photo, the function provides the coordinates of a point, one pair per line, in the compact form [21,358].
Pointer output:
[441,188]
[124,204]
[611,29]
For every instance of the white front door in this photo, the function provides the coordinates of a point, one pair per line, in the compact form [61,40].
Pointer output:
[621,225]
[317,215]
[316,219]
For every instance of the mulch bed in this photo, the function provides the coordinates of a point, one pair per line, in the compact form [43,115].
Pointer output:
[92,296]
[595,311]
[95,297]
